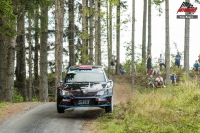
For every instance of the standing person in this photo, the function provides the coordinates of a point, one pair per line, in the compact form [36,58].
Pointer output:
[161,62]
[177,60]
[112,65]
[199,58]
[149,64]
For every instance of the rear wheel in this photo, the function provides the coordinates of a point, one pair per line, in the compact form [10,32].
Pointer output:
[59,110]
[109,109]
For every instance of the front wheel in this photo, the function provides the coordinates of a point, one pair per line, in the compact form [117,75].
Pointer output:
[109,109]
[59,110]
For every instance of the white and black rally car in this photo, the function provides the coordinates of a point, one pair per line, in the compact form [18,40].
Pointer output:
[85,86]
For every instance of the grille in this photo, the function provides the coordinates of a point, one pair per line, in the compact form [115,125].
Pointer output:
[81,94]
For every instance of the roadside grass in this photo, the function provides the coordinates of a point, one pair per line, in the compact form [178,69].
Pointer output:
[168,110]
[2,106]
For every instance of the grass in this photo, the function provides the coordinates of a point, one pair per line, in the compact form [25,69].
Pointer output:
[2,106]
[175,109]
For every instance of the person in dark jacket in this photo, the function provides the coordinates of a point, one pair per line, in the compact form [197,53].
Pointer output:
[149,65]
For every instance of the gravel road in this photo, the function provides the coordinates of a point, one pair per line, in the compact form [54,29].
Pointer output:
[45,119]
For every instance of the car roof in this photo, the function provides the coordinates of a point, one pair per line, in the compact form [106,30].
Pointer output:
[77,67]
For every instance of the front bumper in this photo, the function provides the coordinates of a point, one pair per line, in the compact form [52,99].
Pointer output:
[84,102]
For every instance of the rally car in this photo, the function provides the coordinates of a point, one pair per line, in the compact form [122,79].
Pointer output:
[85,86]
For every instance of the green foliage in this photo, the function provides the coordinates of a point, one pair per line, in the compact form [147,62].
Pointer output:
[8,18]
[166,110]
[17,97]
[4,104]
[140,67]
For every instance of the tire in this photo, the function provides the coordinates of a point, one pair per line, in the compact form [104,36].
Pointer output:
[59,110]
[109,109]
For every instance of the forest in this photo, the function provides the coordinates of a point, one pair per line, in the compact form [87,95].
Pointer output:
[31,29]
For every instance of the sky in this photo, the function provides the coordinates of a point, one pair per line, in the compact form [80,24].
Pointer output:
[177,27]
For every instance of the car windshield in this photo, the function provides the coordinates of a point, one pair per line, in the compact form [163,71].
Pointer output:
[85,77]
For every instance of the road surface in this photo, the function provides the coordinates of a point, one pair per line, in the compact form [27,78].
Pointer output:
[45,119]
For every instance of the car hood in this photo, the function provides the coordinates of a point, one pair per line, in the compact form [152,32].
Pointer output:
[85,87]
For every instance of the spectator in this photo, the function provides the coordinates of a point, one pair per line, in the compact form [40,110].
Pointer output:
[151,81]
[161,62]
[173,78]
[159,81]
[156,70]
[112,65]
[199,58]
[149,65]
[196,66]
[121,69]
[177,60]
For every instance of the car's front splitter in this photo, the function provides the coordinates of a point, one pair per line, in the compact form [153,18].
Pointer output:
[84,102]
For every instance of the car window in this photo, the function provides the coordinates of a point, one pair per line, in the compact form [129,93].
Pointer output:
[85,77]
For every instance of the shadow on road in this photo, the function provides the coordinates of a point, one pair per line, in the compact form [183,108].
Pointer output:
[82,113]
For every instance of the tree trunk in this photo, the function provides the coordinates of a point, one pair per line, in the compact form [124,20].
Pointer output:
[108,39]
[71,30]
[167,44]
[30,59]
[10,68]
[133,44]
[149,27]
[11,59]
[110,23]
[91,33]
[96,32]
[110,34]
[36,49]
[59,21]
[144,32]
[99,33]
[186,43]
[21,65]
[118,37]
[84,33]
[86,25]
[2,65]
[43,55]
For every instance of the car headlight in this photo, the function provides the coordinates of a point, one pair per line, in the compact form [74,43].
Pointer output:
[100,93]
[65,93]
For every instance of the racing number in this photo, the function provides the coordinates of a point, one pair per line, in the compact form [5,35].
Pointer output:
[83,102]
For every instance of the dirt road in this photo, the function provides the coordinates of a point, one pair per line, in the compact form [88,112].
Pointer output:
[45,119]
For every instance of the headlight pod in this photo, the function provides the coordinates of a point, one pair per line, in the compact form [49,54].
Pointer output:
[65,93]
[100,93]
[109,84]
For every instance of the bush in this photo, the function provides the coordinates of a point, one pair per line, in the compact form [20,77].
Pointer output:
[17,97]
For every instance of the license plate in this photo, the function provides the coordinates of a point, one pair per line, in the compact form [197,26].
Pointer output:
[83,102]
